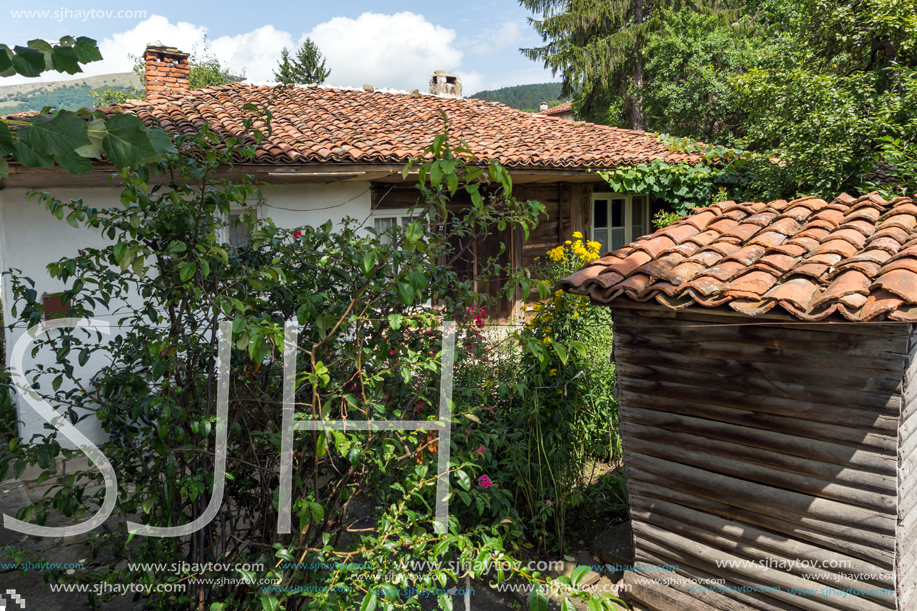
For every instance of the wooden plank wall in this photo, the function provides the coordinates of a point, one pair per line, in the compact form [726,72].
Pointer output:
[756,444]
[907,480]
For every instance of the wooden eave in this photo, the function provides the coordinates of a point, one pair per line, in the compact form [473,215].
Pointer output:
[321,173]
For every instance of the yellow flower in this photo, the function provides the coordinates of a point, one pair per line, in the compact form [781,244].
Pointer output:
[576,315]
[553,372]
[577,235]
[547,340]
[568,242]
[557,254]
[558,292]
[548,329]
[594,246]
[537,306]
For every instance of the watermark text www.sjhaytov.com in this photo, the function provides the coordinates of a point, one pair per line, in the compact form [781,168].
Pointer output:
[67,14]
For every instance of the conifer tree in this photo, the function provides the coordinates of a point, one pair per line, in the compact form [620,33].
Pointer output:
[597,47]
[307,66]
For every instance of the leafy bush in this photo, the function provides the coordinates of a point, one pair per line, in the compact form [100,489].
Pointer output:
[549,389]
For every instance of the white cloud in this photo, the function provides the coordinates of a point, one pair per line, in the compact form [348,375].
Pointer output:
[399,51]
[257,52]
[509,34]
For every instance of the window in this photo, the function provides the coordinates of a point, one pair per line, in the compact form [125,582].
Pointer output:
[383,223]
[238,232]
[619,219]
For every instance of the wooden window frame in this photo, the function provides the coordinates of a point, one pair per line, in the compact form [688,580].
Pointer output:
[628,215]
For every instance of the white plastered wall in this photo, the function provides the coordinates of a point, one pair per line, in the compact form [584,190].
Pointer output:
[31,238]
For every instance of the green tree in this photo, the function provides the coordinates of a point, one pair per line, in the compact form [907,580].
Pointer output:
[834,82]
[598,48]
[307,66]
[690,61]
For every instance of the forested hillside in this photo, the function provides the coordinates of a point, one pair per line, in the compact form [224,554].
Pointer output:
[71,95]
[524,97]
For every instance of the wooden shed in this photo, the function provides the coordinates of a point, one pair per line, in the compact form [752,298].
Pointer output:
[765,356]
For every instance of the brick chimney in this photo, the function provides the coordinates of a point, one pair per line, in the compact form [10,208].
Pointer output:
[445,84]
[166,68]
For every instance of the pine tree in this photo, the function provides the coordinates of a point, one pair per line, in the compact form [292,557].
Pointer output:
[597,47]
[308,66]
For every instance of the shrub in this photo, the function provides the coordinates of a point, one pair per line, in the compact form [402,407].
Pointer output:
[550,387]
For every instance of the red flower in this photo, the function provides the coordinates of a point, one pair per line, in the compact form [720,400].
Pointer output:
[484,482]
[297,234]
[393,351]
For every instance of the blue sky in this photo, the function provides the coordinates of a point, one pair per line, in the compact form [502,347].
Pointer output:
[386,44]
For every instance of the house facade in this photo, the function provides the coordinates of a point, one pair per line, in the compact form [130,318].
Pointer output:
[334,153]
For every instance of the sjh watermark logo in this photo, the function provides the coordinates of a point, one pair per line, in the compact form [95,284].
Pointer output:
[289,427]
[13,598]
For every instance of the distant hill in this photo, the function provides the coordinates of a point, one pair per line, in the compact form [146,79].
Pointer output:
[524,97]
[71,95]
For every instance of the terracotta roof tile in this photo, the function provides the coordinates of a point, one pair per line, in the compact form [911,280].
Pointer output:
[853,259]
[327,124]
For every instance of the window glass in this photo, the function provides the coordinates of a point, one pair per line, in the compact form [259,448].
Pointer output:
[601,236]
[617,213]
[238,233]
[618,238]
[600,214]
[382,224]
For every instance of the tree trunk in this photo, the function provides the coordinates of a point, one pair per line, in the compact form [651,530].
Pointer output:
[637,102]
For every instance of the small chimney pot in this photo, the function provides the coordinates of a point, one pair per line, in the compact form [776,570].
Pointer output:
[446,85]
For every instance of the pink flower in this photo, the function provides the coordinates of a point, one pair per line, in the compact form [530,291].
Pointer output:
[393,351]
[548,503]
[481,450]
[297,234]
[484,482]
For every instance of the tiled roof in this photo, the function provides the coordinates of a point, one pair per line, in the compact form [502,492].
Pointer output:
[853,259]
[559,109]
[325,124]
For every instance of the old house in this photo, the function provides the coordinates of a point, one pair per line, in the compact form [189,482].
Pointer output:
[766,358]
[563,111]
[339,152]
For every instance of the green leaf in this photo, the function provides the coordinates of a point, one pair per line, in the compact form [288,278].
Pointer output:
[269,603]
[176,247]
[28,62]
[413,232]
[369,262]
[186,271]
[59,136]
[567,606]
[561,353]
[578,573]
[369,602]
[537,600]
[463,479]
[594,604]
[127,142]
[7,146]
[406,293]
[86,50]
[95,131]
[148,504]
[65,59]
